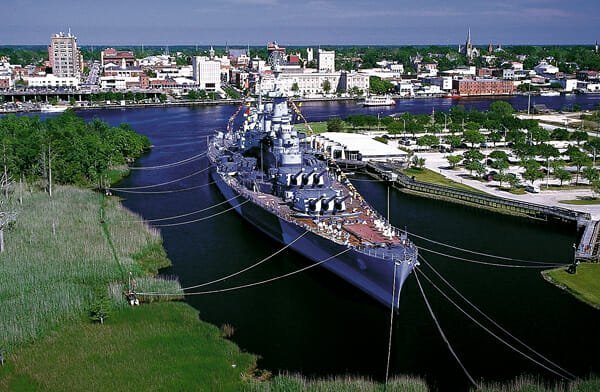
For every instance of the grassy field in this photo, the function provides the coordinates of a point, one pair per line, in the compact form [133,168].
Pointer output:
[58,255]
[581,202]
[317,127]
[585,284]
[159,346]
[426,175]
[66,253]
[297,383]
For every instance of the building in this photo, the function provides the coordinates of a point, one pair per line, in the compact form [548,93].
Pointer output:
[119,58]
[310,55]
[468,50]
[471,87]
[326,61]
[354,82]
[53,81]
[64,56]
[543,68]
[206,73]
[356,147]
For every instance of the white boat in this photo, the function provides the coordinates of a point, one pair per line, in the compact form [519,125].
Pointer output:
[378,100]
[549,93]
[53,109]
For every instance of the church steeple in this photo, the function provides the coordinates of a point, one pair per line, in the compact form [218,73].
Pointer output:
[468,44]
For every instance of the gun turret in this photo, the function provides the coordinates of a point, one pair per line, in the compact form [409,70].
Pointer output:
[314,204]
[340,204]
[308,178]
[327,204]
[319,178]
[297,177]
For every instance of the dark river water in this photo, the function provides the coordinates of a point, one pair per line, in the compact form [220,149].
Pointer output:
[316,324]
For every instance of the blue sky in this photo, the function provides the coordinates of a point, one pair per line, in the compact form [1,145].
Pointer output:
[297,22]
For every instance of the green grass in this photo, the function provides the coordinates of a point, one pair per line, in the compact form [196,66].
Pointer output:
[317,127]
[585,284]
[532,384]
[160,346]
[517,191]
[429,176]
[297,383]
[58,254]
[581,202]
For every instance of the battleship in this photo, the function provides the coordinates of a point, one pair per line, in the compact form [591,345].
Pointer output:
[274,177]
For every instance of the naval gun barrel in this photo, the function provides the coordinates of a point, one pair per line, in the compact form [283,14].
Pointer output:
[294,176]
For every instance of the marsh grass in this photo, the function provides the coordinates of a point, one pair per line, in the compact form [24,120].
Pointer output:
[293,383]
[57,255]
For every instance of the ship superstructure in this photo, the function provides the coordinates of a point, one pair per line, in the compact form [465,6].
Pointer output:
[277,182]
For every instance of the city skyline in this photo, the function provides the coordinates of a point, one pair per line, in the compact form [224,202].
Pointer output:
[326,22]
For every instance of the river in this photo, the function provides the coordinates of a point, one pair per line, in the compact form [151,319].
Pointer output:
[316,324]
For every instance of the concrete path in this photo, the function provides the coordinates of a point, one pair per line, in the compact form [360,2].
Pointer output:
[438,163]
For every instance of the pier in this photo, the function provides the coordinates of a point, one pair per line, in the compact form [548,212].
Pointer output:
[589,244]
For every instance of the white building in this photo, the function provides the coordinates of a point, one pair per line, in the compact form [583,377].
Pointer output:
[326,61]
[186,71]
[310,55]
[64,55]
[568,84]
[312,83]
[207,73]
[356,146]
[544,68]
[51,80]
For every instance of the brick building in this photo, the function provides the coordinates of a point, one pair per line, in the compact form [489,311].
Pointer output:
[472,87]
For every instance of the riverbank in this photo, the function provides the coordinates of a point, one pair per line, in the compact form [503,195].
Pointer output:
[73,252]
[584,285]
[172,103]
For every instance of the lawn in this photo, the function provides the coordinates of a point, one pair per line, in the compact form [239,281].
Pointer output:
[160,346]
[585,284]
[581,202]
[317,127]
[429,176]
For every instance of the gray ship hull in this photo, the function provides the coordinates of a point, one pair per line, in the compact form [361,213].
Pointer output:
[371,274]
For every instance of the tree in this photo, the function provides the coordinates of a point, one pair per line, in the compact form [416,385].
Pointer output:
[453,140]
[547,151]
[579,159]
[532,173]
[335,125]
[326,86]
[473,155]
[418,162]
[590,174]
[501,108]
[379,86]
[473,136]
[560,134]
[579,136]
[428,140]
[454,160]
[596,187]
[295,88]
[498,154]
[495,137]
[562,175]
[100,309]
[475,166]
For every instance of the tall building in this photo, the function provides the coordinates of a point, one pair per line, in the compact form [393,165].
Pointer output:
[64,55]
[326,61]
[207,73]
[468,50]
[310,56]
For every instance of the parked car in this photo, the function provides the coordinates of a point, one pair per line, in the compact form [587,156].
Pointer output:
[532,189]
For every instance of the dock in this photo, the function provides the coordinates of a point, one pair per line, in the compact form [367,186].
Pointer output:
[588,248]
